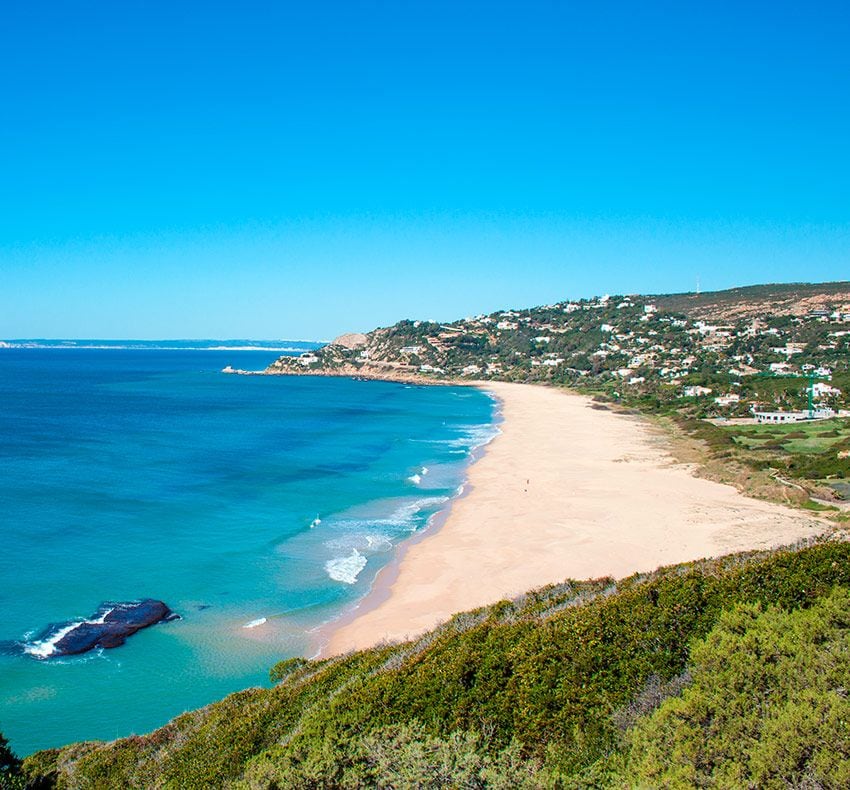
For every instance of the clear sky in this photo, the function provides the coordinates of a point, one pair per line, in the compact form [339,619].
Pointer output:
[295,170]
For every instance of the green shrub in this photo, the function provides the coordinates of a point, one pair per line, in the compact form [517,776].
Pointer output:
[288,669]
[767,706]
[10,767]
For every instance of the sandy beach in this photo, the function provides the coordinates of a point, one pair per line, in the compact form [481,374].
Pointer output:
[565,491]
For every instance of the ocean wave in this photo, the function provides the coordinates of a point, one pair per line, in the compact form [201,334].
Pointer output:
[46,647]
[405,515]
[255,623]
[378,543]
[469,438]
[360,541]
[474,436]
[346,569]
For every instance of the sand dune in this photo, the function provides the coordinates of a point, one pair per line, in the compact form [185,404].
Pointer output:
[566,491]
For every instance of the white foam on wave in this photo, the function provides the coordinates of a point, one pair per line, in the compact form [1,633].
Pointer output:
[378,543]
[255,623]
[423,471]
[404,515]
[346,569]
[474,436]
[469,438]
[362,538]
[368,542]
[415,479]
[45,648]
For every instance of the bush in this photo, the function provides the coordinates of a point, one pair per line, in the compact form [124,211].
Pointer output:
[288,669]
[767,706]
[10,767]
[404,755]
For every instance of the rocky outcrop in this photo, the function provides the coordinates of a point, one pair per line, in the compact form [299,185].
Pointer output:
[108,627]
[351,340]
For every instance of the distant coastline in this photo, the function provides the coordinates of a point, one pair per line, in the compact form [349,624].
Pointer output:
[388,375]
[206,344]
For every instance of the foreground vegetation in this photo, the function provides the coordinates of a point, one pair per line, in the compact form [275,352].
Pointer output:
[724,673]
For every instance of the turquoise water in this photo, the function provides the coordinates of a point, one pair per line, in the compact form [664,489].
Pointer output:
[130,473]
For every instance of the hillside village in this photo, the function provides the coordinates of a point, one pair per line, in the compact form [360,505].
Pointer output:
[768,350]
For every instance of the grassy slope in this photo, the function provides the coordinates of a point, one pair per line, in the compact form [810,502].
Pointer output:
[717,301]
[540,681]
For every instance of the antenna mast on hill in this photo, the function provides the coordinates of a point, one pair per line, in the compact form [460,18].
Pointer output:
[697,285]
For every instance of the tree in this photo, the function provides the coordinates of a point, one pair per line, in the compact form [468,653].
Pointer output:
[10,767]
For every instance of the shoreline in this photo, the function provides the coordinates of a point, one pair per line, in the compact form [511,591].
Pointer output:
[380,591]
[389,375]
[565,491]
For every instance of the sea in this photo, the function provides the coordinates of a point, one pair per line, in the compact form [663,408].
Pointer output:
[257,508]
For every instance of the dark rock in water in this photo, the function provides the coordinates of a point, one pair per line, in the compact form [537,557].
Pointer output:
[110,626]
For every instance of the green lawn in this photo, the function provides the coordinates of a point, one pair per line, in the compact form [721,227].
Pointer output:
[817,436]
[802,450]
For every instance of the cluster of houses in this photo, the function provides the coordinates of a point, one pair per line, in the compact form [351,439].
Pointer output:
[630,340]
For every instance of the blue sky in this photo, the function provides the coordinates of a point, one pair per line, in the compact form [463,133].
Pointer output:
[283,170]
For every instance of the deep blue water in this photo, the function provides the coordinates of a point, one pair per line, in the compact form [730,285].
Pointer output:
[129,473]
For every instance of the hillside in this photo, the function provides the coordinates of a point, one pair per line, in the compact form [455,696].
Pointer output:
[662,349]
[754,301]
[730,672]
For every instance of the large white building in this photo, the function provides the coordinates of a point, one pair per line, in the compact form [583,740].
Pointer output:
[792,416]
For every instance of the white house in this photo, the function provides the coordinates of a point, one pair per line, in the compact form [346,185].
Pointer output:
[729,399]
[789,349]
[779,367]
[819,389]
